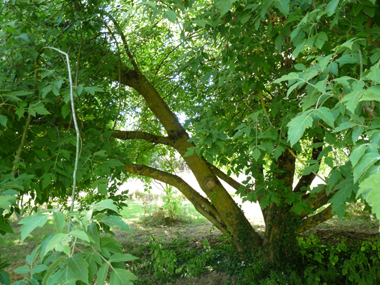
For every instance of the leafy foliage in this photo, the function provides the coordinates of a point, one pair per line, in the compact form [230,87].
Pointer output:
[82,254]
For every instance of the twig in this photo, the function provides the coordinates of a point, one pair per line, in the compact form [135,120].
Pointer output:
[76,130]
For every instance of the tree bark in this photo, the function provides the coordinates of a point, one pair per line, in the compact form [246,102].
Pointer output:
[280,242]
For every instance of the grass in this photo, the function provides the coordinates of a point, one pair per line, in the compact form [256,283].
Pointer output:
[153,213]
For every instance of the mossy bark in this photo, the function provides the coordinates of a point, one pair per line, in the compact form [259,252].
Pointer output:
[280,242]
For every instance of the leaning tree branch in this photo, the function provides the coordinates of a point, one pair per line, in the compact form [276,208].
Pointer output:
[138,135]
[316,219]
[201,204]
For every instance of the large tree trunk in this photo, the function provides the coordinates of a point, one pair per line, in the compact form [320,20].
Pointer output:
[281,224]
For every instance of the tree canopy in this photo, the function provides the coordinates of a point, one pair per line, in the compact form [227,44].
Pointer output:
[276,89]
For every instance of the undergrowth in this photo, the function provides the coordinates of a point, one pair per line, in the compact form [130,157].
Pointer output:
[163,263]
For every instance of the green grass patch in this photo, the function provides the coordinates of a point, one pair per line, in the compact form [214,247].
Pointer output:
[154,213]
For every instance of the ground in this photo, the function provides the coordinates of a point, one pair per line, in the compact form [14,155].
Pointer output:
[361,227]
[333,231]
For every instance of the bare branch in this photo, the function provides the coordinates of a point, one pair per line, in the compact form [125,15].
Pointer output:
[137,135]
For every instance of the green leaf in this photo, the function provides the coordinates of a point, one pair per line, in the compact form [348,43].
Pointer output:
[280,39]
[256,154]
[30,223]
[373,198]
[368,184]
[46,90]
[223,6]
[4,278]
[356,133]
[59,221]
[122,257]
[3,120]
[47,73]
[329,161]
[57,240]
[6,227]
[244,19]
[90,90]
[39,268]
[344,126]
[79,267]
[22,269]
[170,15]
[37,108]
[338,201]
[283,6]
[279,150]
[294,86]
[105,204]
[321,85]
[299,66]
[331,7]
[287,77]
[63,276]
[51,269]
[100,153]
[325,114]
[297,127]
[300,47]
[372,94]
[365,162]
[116,221]
[371,184]
[102,188]
[79,234]
[357,154]
[110,245]
[65,110]
[334,68]
[347,59]
[190,151]
[201,23]
[121,277]
[320,40]
[114,163]
[102,274]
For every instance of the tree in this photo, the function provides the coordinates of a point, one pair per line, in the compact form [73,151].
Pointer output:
[263,85]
